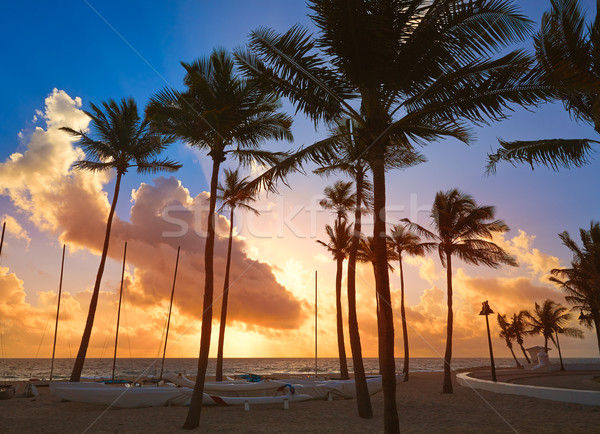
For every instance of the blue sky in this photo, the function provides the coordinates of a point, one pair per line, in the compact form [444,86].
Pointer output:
[71,46]
[74,46]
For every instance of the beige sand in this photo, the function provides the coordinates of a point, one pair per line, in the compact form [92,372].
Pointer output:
[421,407]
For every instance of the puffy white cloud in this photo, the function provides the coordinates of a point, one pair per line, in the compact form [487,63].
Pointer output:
[73,206]
[14,228]
[40,181]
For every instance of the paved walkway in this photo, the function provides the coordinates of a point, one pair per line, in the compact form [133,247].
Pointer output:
[579,380]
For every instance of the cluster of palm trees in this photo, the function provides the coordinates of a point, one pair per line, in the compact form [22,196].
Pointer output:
[581,281]
[384,77]
[219,112]
[549,320]
[461,229]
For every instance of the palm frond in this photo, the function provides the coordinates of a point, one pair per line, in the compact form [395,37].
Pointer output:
[93,166]
[552,153]
[156,166]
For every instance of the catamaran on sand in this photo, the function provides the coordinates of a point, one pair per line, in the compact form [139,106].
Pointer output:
[215,393]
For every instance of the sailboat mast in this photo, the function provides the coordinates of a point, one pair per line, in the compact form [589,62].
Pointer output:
[62,267]
[316,305]
[2,240]
[119,311]
[162,366]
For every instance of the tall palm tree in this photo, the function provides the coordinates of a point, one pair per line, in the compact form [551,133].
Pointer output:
[232,195]
[519,328]
[462,229]
[222,114]
[405,241]
[339,198]
[120,140]
[567,54]
[350,159]
[340,238]
[421,70]
[508,334]
[581,282]
[549,319]
[366,253]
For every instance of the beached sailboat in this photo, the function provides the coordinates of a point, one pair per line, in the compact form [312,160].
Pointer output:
[7,391]
[316,388]
[156,396]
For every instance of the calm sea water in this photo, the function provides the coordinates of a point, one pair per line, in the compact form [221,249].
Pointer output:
[23,369]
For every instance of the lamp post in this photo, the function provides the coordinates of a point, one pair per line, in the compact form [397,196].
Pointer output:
[486,310]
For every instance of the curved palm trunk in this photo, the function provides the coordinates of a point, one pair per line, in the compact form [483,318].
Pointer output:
[219,373]
[193,417]
[87,332]
[340,319]
[525,352]
[385,323]
[403,316]
[597,326]
[546,344]
[510,347]
[562,367]
[363,401]
[447,388]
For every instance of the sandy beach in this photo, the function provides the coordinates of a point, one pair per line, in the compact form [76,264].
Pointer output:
[421,406]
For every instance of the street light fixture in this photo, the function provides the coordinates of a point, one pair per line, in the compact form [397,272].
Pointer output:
[486,310]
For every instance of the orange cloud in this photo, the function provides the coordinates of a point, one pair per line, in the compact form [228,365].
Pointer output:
[73,206]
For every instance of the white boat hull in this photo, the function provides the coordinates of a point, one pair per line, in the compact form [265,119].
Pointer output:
[234,388]
[152,396]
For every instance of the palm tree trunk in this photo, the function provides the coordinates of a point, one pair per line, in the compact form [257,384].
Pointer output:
[525,352]
[510,347]
[219,373]
[447,388]
[387,363]
[597,326]
[403,316]
[340,319]
[363,401]
[546,344]
[193,417]
[87,332]
[562,367]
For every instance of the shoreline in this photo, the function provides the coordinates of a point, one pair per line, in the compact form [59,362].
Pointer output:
[421,407]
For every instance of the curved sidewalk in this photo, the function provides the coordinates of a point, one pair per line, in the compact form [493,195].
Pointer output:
[577,396]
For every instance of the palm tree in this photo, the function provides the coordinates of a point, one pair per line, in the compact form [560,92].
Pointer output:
[340,238]
[508,334]
[122,140]
[405,241]
[549,320]
[581,282]
[566,51]
[233,196]
[217,111]
[350,160]
[341,199]
[462,229]
[421,70]
[519,328]
[366,253]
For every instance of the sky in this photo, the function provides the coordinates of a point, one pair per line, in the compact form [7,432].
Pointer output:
[60,57]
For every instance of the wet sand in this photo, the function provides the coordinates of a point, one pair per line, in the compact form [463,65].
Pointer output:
[421,408]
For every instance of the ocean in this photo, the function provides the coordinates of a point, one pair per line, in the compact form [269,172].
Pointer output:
[24,369]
